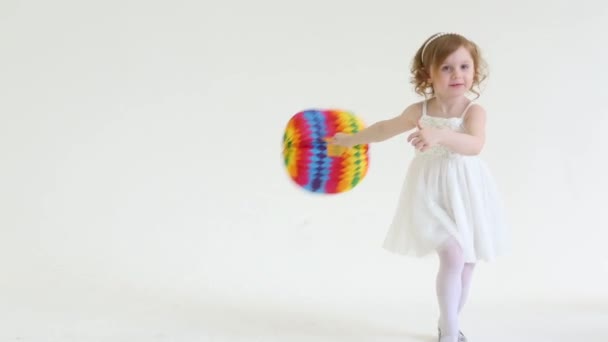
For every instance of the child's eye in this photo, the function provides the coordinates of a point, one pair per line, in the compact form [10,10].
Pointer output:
[445,68]
[465,66]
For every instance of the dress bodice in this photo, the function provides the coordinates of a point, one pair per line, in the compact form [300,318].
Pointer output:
[453,123]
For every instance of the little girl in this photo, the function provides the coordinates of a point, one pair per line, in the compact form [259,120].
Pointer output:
[449,203]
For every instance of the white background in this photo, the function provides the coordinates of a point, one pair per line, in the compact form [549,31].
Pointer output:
[143,195]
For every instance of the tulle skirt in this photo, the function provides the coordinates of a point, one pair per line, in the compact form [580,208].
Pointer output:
[448,196]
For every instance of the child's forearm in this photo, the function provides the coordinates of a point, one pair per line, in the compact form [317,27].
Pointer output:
[374,133]
[382,130]
[462,143]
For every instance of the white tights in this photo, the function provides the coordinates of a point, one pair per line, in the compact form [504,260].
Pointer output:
[453,282]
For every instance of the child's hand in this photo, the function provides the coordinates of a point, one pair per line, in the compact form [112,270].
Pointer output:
[337,145]
[341,139]
[424,138]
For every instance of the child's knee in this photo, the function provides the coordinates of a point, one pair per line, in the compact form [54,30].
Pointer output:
[451,255]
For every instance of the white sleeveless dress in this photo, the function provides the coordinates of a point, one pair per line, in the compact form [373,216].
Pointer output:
[446,194]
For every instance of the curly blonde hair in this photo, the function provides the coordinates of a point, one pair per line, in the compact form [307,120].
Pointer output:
[438,49]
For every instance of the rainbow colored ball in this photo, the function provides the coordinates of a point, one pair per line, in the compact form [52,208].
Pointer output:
[306,157]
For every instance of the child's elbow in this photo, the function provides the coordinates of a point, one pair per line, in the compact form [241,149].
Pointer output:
[474,147]
[477,148]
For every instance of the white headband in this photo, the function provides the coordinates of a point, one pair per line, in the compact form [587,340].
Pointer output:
[430,40]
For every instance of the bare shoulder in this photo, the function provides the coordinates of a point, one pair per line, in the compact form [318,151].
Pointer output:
[413,112]
[404,121]
[475,120]
[476,113]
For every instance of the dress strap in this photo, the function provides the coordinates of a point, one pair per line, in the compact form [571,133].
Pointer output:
[464,112]
[424,108]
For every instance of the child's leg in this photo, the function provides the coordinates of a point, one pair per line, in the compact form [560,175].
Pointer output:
[449,288]
[467,276]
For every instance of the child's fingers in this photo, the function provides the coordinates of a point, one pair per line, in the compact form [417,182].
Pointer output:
[335,150]
[413,136]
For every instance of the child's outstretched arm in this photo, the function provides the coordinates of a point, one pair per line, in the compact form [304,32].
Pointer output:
[381,130]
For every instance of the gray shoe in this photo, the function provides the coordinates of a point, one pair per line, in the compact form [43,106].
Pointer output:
[461,337]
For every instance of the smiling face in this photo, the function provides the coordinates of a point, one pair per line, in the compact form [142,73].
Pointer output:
[454,76]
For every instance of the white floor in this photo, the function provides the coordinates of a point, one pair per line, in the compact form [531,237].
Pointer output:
[120,315]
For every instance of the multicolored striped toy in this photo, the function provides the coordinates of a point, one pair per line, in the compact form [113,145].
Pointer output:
[306,157]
